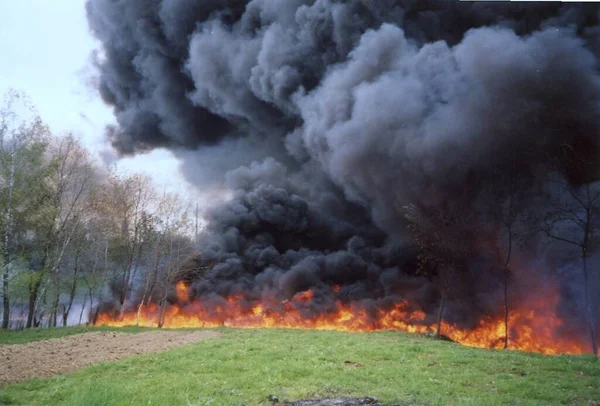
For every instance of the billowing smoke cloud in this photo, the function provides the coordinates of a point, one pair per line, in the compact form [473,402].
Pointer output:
[327,117]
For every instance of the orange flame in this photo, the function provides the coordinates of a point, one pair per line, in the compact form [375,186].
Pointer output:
[182,291]
[532,328]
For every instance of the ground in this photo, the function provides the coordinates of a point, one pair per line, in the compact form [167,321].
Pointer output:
[337,402]
[60,355]
[269,367]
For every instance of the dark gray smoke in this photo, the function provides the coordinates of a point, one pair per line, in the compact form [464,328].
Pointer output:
[327,117]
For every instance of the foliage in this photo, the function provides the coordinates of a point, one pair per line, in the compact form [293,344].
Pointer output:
[70,230]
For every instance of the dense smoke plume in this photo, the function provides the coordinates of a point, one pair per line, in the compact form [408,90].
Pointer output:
[327,118]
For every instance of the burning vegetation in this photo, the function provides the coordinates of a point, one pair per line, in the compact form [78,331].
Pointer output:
[422,166]
[534,328]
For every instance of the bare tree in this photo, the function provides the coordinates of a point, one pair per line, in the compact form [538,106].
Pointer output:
[164,215]
[572,219]
[74,280]
[97,274]
[178,247]
[126,201]
[509,220]
[507,209]
[445,239]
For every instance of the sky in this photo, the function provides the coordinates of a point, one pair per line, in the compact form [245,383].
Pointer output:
[46,47]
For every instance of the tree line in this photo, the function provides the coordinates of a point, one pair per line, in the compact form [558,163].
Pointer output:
[72,232]
[73,235]
[521,217]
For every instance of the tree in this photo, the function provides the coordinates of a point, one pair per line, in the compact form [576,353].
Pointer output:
[96,267]
[72,181]
[175,245]
[73,263]
[163,216]
[65,230]
[445,239]
[125,202]
[509,199]
[572,219]
[70,184]
[23,172]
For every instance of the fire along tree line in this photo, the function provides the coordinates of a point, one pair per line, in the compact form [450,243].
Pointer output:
[74,236]
[73,233]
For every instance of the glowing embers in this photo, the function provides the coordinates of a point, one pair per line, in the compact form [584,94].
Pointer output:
[533,327]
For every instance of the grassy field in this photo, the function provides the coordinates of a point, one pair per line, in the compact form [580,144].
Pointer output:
[245,367]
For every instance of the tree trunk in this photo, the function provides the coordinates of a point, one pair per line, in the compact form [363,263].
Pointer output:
[125,289]
[82,308]
[161,313]
[139,312]
[506,308]
[128,272]
[445,279]
[137,262]
[5,299]
[150,282]
[95,316]
[153,280]
[97,311]
[33,296]
[67,308]
[509,224]
[440,318]
[588,305]
[54,313]
[584,256]
[506,276]
[7,237]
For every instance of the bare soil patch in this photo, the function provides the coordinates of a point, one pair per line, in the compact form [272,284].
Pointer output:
[59,355]
[337,402]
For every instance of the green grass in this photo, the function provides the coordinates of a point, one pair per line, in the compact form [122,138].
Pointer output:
[244,367]
[37,334]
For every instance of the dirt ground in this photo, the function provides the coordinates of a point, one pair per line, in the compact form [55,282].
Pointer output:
[56,356]
[337,402]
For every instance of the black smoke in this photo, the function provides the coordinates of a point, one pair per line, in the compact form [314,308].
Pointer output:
[326,118]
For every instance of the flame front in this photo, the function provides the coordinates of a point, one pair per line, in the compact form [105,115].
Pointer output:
[534,330]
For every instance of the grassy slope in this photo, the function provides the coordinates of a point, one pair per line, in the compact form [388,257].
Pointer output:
[246,366]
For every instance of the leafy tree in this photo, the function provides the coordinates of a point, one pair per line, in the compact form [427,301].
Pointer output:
[23,191]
